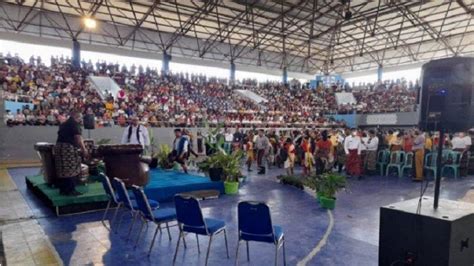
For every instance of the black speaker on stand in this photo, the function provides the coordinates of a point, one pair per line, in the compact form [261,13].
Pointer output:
[412,232]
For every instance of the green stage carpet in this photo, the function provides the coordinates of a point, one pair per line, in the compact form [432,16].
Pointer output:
[93,192]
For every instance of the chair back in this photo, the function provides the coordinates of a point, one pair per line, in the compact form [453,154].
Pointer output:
[430,159]
[383,156]
[255,222]
[108,187]
[396,157]
[122,193]
[188,211]
[408,159]
[142,202]
[453,158]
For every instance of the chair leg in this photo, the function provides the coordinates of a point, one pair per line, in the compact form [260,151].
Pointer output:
[248,253]
[226,245]
[197,240]
[284,252]
[105,213]
[177,245]
[168,229]
[237,254]
[208,249]
[140,233]
[276,254]
[153,240]
[134,218]
[184,241]
[115,216]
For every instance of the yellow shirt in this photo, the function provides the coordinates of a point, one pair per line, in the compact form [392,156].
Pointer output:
[109,106]
[428,144]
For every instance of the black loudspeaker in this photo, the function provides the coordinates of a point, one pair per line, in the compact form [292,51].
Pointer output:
[434,237]
[447,94]
[89,121]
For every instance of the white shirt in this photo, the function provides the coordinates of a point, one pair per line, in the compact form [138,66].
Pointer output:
[185,146]
[461,143]
[373,145]
[143,132]
[352,143]
[364,140]
[228,137]
[8,117]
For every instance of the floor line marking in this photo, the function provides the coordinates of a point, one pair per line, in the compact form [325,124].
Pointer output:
[321,243]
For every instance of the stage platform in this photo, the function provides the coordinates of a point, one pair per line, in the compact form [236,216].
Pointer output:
[93,196]
[162,187]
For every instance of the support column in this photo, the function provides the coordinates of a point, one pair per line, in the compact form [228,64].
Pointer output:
[165,68]
[379,73]
[285,76]
[76,54]
[232,72]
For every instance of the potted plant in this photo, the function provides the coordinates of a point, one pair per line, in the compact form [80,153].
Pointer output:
[212,167]
[327,185]
[231,171]
[162,157]
[224,167]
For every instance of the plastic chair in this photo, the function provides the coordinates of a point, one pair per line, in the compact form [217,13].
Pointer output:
[191,220]
[124,201]
[454,158]
[430,162]
[407,163]
[157,216]
[383,157]
[111,195]
[255,224]
[396,161]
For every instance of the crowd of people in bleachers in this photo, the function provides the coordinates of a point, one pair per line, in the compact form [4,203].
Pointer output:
[177,99]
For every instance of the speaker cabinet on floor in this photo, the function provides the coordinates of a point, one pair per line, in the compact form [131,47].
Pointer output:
[433,237]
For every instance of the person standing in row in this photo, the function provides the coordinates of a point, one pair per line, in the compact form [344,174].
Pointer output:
[352,148]
[462,144]
[66,154]
[262,144]
[371,146]
[419,152]
[136,134]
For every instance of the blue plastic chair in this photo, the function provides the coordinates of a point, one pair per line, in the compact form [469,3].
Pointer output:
[255,224]
[407,163]
[191,220]
[430,163]
[396,161]
[110,194]
[383,157]
[124,201]
[454,159]
[157,216]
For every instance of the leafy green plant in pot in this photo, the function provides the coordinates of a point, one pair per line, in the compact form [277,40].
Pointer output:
[162,157]
[231,167]
[327,185]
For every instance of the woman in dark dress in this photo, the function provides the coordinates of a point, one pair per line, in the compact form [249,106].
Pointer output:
[67,156]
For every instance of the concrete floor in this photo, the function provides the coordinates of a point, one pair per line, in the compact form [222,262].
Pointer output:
[352,240]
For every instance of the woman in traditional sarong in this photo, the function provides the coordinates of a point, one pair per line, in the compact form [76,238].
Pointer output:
[250,151]
[308,156]
[323,149]
[290,161]
[67,156]
[352,147]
